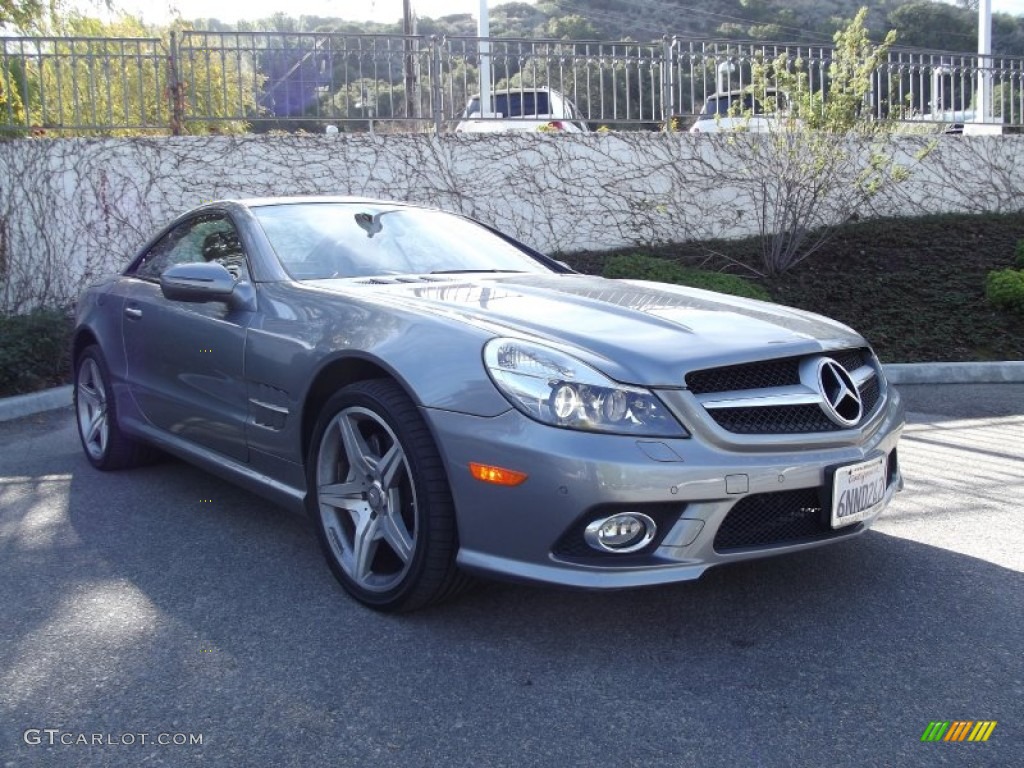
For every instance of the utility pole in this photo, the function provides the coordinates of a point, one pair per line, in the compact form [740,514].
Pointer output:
[411,102]
[484,31]
[983,107]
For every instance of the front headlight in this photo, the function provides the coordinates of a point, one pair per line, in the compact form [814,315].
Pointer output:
[555,388]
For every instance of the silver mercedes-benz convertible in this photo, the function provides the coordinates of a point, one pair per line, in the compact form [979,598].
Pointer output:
[443,400]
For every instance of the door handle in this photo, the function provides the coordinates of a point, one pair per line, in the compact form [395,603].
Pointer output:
[133,312]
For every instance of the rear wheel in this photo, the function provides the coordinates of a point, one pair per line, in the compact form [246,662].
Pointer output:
[380,499]
[105,445]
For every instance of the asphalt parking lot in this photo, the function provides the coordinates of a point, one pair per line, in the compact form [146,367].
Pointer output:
[141,610]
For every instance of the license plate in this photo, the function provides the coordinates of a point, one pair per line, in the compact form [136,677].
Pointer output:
[857,489]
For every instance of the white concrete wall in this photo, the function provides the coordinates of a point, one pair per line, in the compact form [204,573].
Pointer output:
[73,209]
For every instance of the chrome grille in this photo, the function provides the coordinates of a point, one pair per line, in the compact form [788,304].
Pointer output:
[774,397]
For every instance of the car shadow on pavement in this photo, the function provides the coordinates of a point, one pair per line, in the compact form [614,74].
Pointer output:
[164,595]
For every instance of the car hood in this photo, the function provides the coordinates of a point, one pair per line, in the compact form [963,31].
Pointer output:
[635,332]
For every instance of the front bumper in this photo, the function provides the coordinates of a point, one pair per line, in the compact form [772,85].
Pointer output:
[534,531]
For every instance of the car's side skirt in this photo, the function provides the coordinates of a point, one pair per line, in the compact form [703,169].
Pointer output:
[220,465]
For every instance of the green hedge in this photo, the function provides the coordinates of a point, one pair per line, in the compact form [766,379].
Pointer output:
[34,351]
[636,266]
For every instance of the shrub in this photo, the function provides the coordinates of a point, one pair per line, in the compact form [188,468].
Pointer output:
[34,353]
[1018,254]
[637,266]
[1005,289]
[824,160]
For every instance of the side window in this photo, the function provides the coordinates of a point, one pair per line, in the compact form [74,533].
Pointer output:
[210,237]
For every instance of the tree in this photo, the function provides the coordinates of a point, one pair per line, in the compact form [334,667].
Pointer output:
[1008,34]
[851,82]
[572,27]
[218,90]
[12,103]
[935,26]
[113,79]
[90,86]
[24,15]
[517,20]
[37,16]
[825,156]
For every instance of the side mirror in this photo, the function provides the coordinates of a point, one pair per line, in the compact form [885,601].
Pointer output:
[203,282]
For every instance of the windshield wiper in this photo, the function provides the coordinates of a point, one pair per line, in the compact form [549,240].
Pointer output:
[472,271]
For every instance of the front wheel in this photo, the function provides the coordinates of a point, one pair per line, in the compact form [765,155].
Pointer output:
[380,500]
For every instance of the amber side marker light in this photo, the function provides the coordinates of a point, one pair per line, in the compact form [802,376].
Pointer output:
[496,475]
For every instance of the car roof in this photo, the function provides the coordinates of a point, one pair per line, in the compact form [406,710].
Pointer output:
[260,202]
[256,202]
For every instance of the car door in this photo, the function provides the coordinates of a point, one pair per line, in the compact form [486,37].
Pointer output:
[185,359]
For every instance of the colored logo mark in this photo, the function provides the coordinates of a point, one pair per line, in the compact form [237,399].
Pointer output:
[958,730]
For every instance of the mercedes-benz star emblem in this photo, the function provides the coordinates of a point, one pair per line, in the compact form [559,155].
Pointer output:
[840,399]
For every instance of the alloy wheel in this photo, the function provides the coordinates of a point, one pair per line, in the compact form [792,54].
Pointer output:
[367,500]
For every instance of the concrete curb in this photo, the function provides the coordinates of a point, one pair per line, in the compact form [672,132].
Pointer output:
[955,373]
[1011,372]
[37,402]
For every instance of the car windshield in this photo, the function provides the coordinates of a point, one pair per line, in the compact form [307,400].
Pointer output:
[514,104]
[720,105]
[315,241]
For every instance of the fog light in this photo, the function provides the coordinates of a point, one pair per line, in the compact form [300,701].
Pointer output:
[624,532]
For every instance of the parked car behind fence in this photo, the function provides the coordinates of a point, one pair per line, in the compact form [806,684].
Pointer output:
[520,110]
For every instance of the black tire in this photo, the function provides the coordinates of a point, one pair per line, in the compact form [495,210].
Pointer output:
[380,501]
[105,445]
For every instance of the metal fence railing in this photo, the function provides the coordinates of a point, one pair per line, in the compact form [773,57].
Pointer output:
[83,83]
[199,81]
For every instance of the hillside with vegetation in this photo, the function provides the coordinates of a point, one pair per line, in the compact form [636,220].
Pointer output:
[928,24]
[925,24]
